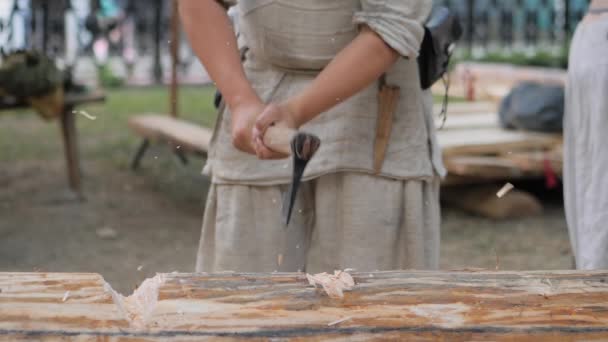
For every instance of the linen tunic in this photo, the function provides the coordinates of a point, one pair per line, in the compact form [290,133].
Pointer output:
[586,145]
[289,42]
[344,216]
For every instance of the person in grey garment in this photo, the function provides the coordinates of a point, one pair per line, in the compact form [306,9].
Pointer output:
[316,66]
[586,140]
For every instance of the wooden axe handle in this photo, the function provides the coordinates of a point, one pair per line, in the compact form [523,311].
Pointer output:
[278,138]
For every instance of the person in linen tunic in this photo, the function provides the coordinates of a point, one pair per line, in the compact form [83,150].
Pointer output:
[586,140]
[346,215]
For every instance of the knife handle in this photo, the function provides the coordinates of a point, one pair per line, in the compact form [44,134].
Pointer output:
[278,138]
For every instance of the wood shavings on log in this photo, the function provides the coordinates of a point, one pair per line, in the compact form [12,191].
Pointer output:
[66,295]
[339,321]
[333,284]
[137,308]
[504,190]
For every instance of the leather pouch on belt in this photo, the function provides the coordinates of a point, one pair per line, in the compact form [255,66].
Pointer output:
[388,99]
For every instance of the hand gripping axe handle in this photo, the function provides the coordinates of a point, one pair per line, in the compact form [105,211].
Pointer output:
[301,146]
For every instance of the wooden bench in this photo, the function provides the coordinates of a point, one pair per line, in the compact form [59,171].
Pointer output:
[182,136]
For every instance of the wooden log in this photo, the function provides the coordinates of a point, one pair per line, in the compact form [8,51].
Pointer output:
[482,200]
[458,305]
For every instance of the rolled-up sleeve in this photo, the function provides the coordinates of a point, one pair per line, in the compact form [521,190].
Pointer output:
[398,22]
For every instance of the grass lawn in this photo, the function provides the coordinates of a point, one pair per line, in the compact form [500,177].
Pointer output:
[24,136]
[107,140]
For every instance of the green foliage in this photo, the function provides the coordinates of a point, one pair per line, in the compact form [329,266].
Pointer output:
[29,74]
[108,79]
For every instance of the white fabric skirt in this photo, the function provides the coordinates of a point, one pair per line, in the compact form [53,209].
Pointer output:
[341,220]
[586,145]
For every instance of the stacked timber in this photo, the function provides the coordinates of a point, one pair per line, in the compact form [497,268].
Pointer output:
[422,306]
[493,81]
[478,153]
[477,150]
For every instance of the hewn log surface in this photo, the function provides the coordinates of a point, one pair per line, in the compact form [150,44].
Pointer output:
[464,305]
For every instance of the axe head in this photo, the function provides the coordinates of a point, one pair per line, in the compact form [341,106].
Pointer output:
[303,148]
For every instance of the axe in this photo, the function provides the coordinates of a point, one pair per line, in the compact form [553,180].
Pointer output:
[301,147]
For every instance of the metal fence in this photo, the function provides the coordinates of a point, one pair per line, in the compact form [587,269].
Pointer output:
[140,38]
[132,36]
[511,25]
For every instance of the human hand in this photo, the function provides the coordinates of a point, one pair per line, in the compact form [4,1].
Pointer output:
[243,120]
[283,115]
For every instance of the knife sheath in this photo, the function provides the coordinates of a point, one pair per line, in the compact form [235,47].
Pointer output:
[388,99]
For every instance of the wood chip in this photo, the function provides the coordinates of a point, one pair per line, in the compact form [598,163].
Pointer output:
[339,321]
[504,190]
[280,259]
[85,114]
[333,284]
[66,295]
[107,233]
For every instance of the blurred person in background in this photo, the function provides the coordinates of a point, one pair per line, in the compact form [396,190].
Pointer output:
[586,140]
[111,27]
[318,65]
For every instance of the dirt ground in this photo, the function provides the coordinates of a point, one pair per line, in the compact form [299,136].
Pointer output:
[134,224]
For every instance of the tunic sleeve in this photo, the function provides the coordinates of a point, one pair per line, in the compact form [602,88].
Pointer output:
[399,23]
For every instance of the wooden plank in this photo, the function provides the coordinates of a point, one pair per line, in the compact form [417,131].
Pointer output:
[70,99]
[493,81]
[487,168]
[77,99]
[468,121]
[188,136]
[471,305]
[535,161]
[457,108]
[513,165]
[493,141]
[508,74]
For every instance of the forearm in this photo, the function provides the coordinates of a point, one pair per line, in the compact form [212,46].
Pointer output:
[359,64]
[212,39]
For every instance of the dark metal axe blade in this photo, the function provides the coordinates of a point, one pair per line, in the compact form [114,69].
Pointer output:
[303,148]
